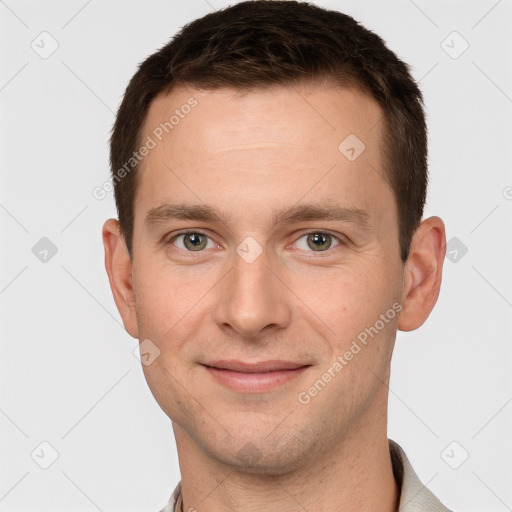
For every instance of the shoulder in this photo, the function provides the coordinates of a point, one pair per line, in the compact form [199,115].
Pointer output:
[174,504]
[414,495]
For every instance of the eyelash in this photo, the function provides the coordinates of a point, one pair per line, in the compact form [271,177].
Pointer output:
[196,232]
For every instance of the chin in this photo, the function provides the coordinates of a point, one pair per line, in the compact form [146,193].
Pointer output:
[265,456]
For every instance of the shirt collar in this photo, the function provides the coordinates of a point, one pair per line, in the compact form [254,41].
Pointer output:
[414,496]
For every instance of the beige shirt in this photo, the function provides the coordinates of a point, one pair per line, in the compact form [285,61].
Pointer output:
[414,496]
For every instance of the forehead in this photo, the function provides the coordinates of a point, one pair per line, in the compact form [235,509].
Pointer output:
[273,114]
[289,141]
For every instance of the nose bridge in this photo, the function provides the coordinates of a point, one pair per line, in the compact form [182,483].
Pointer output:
[252,298]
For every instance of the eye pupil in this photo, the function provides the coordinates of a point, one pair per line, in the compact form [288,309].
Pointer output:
[319,241]
[194,242]
[315,241]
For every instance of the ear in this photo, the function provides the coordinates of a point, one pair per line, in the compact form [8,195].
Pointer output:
[119,269]
[423,272]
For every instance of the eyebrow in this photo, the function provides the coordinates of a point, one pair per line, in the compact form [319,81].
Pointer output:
[297,213]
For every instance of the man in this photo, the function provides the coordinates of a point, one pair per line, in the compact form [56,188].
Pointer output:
[270,174]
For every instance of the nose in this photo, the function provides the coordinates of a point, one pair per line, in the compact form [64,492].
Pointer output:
[251,300]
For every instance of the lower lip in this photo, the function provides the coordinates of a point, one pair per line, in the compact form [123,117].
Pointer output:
[254,382]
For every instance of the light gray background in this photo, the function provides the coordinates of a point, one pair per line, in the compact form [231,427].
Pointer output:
[68,373]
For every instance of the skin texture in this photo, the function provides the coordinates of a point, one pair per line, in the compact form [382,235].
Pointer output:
[248,156]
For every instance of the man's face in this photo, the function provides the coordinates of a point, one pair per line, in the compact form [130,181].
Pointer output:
[260,284]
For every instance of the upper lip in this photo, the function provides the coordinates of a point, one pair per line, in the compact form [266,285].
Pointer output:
[261,367]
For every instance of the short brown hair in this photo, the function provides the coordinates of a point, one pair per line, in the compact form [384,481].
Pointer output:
[255,44]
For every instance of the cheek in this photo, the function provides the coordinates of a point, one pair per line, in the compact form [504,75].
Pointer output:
[166,295]
[349,299]
[174,305]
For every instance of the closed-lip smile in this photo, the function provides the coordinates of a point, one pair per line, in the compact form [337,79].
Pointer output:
[254,377]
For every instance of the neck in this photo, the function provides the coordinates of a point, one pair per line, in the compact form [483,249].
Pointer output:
[355,475]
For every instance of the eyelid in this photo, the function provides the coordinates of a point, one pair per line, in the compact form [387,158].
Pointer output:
[338,237]
[171,239]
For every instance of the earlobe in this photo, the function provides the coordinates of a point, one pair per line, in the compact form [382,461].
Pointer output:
[423,273]
[119,269]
